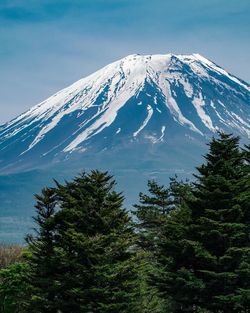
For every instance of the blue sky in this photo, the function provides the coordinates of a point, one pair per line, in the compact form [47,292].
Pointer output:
[47,45]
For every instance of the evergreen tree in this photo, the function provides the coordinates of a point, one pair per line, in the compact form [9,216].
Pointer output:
[94,235]
[148,300]
[180,192]
[42,257]
[151,214]
[204,257]
[242,295]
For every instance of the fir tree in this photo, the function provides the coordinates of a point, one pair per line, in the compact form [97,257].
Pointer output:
[205,257]
[148,300]
[241,298]
[151,214]
[95,236]
[42,258]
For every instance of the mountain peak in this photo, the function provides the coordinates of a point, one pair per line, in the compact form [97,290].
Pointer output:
[164,57]
[139,98]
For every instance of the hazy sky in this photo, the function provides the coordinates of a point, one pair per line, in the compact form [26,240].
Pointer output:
[47,45]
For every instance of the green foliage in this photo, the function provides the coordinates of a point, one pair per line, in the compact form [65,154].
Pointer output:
[160,206]
[205,251]
[151,214]
[43,256]
[149,300]
[14,289]
[82,258]
[187,251]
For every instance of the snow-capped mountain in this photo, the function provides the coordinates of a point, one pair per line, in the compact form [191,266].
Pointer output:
[141,117]
[140,103]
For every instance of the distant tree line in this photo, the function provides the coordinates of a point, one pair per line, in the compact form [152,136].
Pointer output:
[184,248]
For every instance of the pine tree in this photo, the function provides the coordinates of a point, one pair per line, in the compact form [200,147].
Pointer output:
[148,300]
[205,257]
[151,214]
[95,236]
[242,295]
[42,258]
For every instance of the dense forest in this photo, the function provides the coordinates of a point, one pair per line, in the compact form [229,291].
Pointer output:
[185,247]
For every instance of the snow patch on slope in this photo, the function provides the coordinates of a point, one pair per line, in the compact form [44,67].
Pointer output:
[145,122]
[163,128]
[174,108]
[199,104]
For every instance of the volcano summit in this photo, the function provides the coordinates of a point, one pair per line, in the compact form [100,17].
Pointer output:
[140,117]
[153,105]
